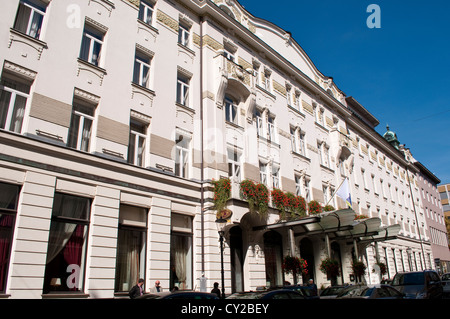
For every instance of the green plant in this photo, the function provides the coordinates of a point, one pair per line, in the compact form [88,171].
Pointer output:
[383,269]
[280,201]
[222,193]
[314,207]
[330,267]
[294,265]
[359,268]
[248,193]
[257,196]
[362,216]
[296,205]
[262,199]
[328,208]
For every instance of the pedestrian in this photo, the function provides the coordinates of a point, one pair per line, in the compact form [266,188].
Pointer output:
[137,289]
[313,287]
[216,290]
[157,287]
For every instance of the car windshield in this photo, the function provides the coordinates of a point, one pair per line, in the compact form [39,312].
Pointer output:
[353,291]
[446,277]
[331,291]
[409,279]
[246,295]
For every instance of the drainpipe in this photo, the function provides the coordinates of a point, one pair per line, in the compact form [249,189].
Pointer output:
[202,198]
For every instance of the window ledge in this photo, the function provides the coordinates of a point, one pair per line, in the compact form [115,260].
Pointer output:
[17,36]
[187,49]
[326,168]
[234,125]
[296,110]
[91,68]
[187,108]
[295,154]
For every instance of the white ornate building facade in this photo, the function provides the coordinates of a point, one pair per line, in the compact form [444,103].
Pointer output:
[117,115]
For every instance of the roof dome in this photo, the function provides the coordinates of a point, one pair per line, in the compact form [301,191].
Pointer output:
[391,137]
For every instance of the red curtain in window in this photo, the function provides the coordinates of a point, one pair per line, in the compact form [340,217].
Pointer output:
[6,222]
[74,248]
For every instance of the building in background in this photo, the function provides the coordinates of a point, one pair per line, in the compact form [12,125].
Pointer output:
[434,214]
[116,116]
[444,195]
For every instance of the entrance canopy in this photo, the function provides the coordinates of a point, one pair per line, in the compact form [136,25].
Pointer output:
[340,223]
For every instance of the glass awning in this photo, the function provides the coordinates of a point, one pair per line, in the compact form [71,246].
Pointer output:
[384,233]
[337,220]
[341,223]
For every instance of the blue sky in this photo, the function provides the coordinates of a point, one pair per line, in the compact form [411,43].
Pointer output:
[399,72]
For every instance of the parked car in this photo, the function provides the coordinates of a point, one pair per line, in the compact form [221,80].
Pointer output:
[179,295]
[271,294]
[304,290]
[445,279]
[419,284]
[370,292]
[332,292]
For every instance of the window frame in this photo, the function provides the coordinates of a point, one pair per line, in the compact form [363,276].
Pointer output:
[93,36]
[182,156]
[83,221]
[184,35]
[138,158]
[12,112]
[183,88]
[231,110]
[34,10]
[83,118]
[13,213]
[144,8]
[141,76]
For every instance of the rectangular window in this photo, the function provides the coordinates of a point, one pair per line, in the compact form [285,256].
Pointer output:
[259,123]
[81,126]
[294,141]
[275,176]
[363,176]
[182,155]
[272,136]
[30,15]
[131,247]
[141,72]
[230,111]
[267,81]
[137,143]
[9,197]
[263,173]
[307,185]
[234,165]
[146,12]
[183,90]
[13,100]
[183,35]
[66,253]
[298,185]
[228,54]
[325,194]
[91,45]
[181,252]
[320,150]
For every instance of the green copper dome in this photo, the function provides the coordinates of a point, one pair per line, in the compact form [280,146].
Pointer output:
[391,137]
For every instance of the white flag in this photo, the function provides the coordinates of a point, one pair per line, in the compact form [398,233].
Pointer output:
[344,193]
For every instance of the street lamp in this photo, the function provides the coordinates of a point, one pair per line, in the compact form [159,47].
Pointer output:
[220,224]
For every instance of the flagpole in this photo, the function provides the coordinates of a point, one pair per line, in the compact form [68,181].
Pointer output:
[336,191]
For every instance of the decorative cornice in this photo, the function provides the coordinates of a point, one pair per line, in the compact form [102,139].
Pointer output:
[19,70]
